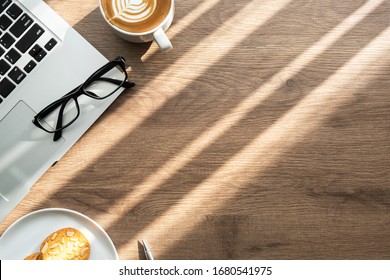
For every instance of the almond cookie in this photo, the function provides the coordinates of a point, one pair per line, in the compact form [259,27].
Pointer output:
[34,257]
[65,244]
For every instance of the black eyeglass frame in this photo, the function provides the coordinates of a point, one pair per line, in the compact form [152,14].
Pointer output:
[80,90]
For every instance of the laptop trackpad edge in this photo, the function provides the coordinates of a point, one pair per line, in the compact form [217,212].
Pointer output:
[25,153]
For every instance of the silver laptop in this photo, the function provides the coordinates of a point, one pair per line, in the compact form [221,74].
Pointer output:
[42,58]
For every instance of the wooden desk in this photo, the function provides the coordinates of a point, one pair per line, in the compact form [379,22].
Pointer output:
[264,134]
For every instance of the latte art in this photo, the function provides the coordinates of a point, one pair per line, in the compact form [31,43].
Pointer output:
[132,11]
[136,15]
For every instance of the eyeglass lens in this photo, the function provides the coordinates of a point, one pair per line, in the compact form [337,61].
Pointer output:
[104,84]
[101,86]
[70,112]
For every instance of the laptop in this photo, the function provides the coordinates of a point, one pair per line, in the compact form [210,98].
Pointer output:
[41,59]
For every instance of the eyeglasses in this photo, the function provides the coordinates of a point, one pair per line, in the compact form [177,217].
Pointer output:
[63,112]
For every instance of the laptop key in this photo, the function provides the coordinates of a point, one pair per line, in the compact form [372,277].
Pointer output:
[16,75]
[4,4]
[21,25]
[29,38]
[30,66]
[50,45]
[5,22]
[12,56]
[37,52]
[14,11]
[40,55]
[2,51]
[6,87]
[7,40]
[4,67]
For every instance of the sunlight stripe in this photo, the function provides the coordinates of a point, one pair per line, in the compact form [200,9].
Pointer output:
[325,98]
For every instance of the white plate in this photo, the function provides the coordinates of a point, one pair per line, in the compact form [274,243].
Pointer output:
[25,235]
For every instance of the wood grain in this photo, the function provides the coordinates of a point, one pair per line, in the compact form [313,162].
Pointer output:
[264,134]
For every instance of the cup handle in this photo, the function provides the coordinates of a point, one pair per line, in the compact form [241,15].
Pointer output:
[162,40]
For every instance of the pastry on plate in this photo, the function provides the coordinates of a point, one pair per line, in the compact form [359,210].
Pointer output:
[65,244]
[34,257]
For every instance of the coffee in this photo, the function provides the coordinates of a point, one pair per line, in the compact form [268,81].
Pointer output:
[136,16]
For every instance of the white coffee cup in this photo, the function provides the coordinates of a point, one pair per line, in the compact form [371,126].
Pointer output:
[156,34]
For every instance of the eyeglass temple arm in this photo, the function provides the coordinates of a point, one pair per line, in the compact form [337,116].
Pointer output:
[58,133]
[126,84]
[56,103]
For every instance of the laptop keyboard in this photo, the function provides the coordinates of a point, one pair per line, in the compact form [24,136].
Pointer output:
[19,51]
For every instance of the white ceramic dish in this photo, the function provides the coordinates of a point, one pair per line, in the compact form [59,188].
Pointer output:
[25,235]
